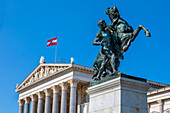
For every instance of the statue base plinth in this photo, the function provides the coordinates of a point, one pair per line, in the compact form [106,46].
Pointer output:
[119,94]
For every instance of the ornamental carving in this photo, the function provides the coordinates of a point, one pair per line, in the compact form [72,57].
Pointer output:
[42,72]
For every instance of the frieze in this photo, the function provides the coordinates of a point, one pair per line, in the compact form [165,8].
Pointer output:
[41,73]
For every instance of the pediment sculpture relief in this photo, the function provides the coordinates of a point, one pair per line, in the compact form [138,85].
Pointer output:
[42,72]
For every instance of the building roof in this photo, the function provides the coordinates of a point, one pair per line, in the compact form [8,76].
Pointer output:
[157,84]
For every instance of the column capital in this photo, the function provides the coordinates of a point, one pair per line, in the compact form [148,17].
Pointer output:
[33,97]
[55,89]
[47,92]
[79,88]
[21,102]
[160,102]
[64,86]
[73,82]
[84,87]
[40,94]
[27,100]
[149,105]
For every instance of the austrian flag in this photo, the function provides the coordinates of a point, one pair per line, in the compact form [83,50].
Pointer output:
[52,42]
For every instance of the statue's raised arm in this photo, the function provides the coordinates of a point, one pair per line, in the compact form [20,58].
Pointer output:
[97,40]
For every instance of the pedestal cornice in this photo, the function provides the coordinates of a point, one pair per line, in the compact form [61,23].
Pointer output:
[124,82]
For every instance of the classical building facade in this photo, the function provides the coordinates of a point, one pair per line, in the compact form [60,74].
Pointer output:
[61,88]
[54,88]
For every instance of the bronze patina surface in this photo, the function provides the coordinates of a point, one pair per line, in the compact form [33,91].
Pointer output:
[115,39]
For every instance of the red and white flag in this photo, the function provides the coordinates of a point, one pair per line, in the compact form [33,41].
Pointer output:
[52,42]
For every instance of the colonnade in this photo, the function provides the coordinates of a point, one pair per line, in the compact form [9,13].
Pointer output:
[52,103]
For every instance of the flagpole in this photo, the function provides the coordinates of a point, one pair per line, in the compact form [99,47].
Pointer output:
[56,54]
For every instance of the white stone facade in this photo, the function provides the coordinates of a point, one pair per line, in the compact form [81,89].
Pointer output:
[55,88]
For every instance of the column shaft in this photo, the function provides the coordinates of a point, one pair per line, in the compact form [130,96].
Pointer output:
[64,101]
[21,105]
[79,103]
[160,102]
[27,107]
[72,100]
[47,104]
[148,108]
[55,103]
[21,109]
[161,108]
[88,98]
[33,107]
[40,105]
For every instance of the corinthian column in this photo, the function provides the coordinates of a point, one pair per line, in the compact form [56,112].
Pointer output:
[21,105]
[73,86]
[47,101]
[55,108]
[27,104]
[34,103]
[64,87]
[79,100]
[40,102]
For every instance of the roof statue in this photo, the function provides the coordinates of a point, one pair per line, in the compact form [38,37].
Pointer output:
[42,60]
[115,39]
[72,60]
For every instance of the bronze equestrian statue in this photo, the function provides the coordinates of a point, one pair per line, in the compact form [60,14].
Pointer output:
[115,39]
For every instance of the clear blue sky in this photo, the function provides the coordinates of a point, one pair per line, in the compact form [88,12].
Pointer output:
[26,25]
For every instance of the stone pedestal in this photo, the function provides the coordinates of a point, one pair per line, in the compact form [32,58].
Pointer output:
[119,94]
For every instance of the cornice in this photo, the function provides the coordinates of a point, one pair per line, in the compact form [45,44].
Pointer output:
[121,83]
[158,91]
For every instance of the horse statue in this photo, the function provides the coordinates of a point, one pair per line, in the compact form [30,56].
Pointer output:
[122,34]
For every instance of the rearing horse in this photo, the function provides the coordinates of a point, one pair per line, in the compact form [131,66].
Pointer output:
[125,34]
[124,31]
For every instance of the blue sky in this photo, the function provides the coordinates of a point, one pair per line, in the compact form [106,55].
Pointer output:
[26,25]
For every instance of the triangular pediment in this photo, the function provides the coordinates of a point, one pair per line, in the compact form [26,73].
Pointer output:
[42,71]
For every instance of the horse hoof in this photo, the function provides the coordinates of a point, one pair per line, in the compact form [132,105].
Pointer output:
[96,79]
[140,26]
[147,34]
